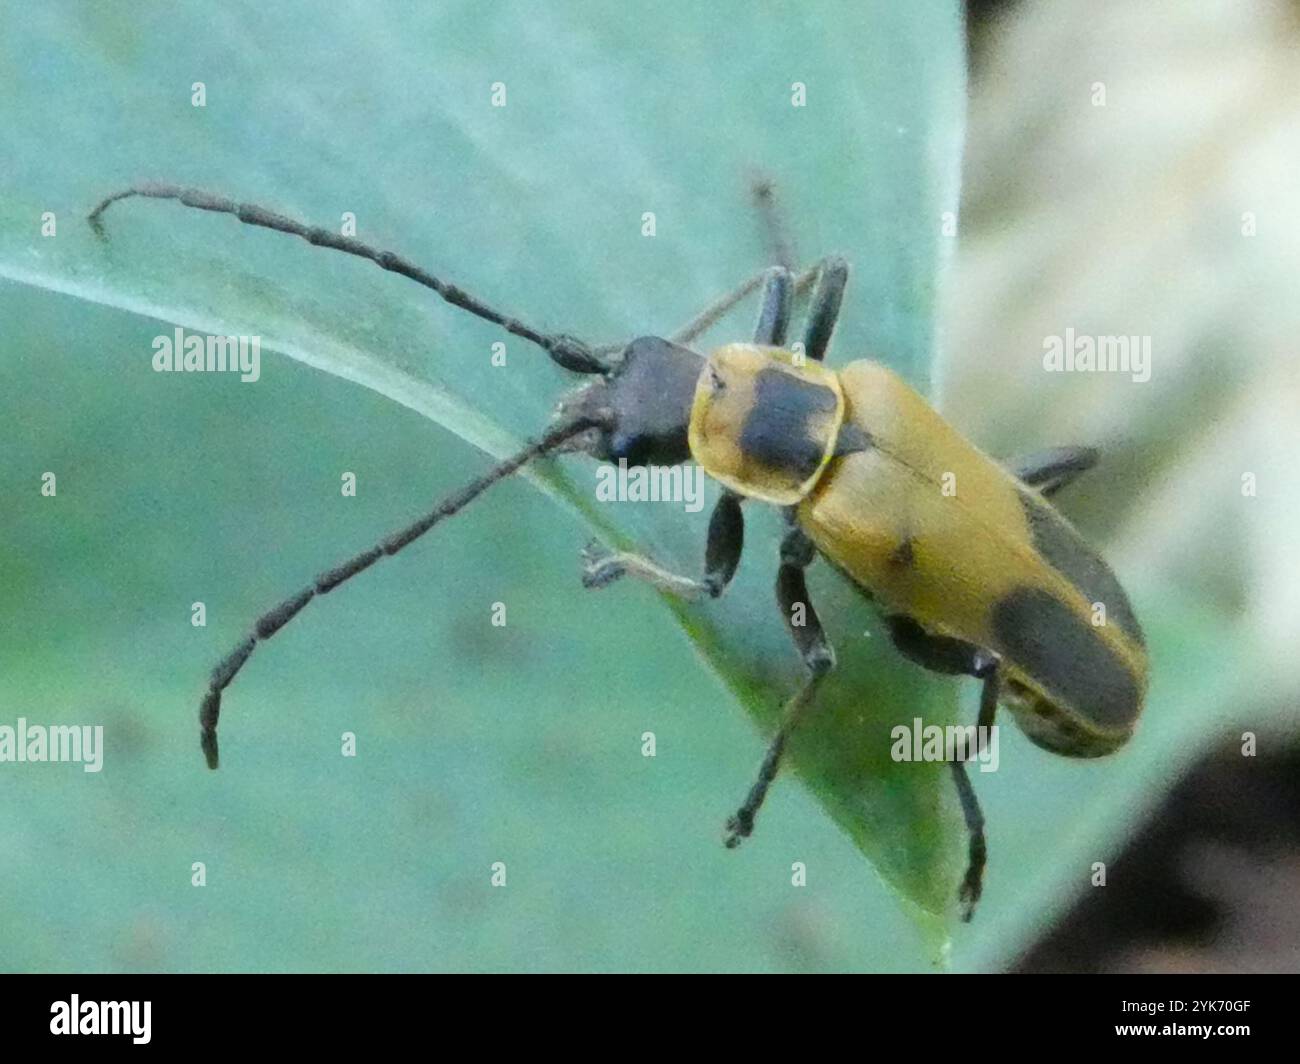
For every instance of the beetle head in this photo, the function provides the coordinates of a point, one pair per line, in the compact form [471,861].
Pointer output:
[645,404]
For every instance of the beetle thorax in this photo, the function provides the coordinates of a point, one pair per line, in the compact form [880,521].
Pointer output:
[765,422]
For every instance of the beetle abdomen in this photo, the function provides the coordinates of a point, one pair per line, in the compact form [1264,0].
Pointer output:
[1045,725]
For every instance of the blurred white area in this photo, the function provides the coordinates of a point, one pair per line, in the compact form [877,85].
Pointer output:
[1131,170]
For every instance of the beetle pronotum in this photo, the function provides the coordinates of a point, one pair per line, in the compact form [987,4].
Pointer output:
[991,582]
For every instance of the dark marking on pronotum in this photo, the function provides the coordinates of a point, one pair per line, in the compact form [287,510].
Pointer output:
[1067,553]
[778,430]
[1043,638]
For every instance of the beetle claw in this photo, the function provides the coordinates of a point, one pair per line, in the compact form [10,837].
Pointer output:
[738,830]
[600,565]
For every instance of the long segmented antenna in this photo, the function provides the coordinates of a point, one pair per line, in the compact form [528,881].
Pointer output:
[567,351]
[275,619]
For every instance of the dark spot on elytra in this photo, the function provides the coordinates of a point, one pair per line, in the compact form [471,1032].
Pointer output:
[1066,552]
[1063,654]
[903,556]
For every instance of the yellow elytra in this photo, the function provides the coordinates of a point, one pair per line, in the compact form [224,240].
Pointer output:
[933,529]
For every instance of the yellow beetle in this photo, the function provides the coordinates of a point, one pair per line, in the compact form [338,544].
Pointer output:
[973,569]
[939,533]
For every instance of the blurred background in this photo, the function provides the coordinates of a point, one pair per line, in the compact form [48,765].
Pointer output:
[1118,168]
[1138,215]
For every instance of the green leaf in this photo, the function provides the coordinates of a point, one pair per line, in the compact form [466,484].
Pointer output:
[537,206]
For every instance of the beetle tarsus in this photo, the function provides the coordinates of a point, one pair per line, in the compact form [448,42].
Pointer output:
[739,827]
[600,565]
[969,895]
[972,885]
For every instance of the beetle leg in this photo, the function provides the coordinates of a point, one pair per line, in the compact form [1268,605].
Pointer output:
[818,656]
[832,277]
[937,653]
[722,553]
[832,267]
[715,311]
[985,666]
[1053,469]
[780,248]
[972,884]
[774,311]
[957,657]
